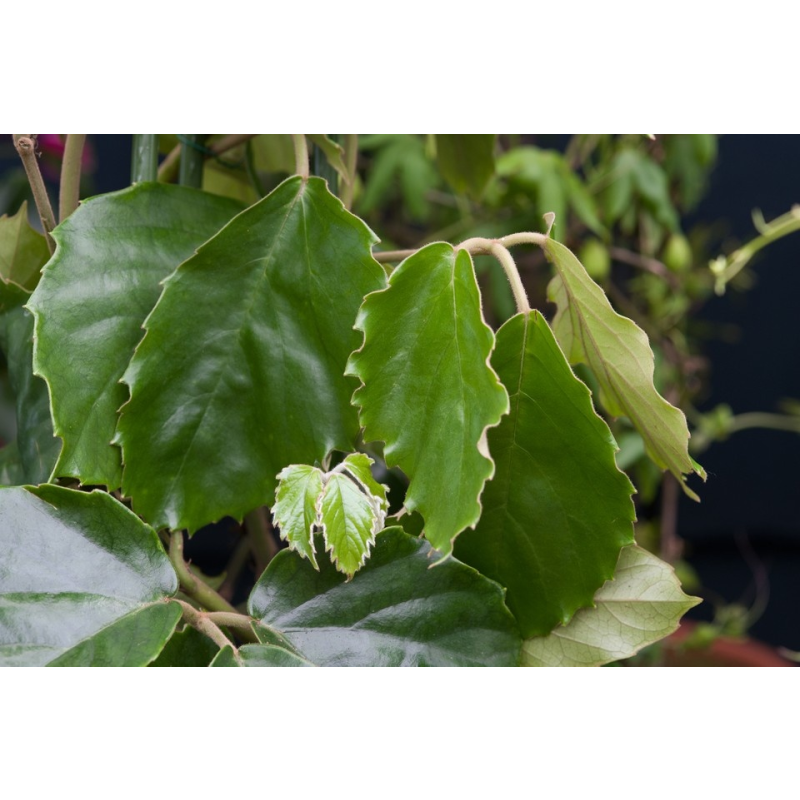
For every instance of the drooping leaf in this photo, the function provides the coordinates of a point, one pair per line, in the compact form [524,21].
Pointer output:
[23,251]
[558,510]
[429,392]
[395,612]
[618,352]
[295,509]
[187,648]
[644,603]
[466,161]
[258,655]
[82,580]
[349,523]
[104,279]
[37,446]
[358,465]
[253,333]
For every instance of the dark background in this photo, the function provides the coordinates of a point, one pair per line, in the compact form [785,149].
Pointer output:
[745,533]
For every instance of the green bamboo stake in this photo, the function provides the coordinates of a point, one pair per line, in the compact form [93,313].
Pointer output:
[144,163]
[323,169]
[192,158]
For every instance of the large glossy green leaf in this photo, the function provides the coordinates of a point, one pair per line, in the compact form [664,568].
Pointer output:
[618,352]
[23,251]
[558,510]
[104,279]
[429,392]
[37,446]
[258,655]
[241,372]
[82,581]
[466,160]
[644,603]
[395,612]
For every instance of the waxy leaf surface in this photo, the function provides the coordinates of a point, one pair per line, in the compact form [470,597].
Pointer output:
[295,509]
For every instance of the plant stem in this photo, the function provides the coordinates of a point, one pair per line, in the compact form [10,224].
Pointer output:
[392,256]
[239,622]
[190,583]
[646,263]
[350,146]
[259,530]
[144,164]
[70,186]
[26,147]
[236,563]
[202,622]
[322,167]
[192,159]
[670,544]
[493,247]
[300,155]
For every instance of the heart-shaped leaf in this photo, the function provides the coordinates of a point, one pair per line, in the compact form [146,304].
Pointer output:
[246,351]
[83,581]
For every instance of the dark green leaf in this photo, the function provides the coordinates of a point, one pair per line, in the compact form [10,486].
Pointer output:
[466,161]
[258,655]
[395,612]
[429,392]
[558,510]
[246,352]
[105,278]
[80,577]
[188,648]
[23,251]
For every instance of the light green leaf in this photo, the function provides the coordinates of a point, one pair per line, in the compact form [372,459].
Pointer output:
[23,251]
[258,655]
[466,161]
[429,392]
[358,465]
[246,350]
[104,279]
[618,353]
[642,604]
[82,580]
[37,445]
[349,523]
[395,611]
[558,510]
[333,152]
[295,509]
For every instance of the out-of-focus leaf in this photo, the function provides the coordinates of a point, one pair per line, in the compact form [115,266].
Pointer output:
[466,161]
[23,251]
[333,152]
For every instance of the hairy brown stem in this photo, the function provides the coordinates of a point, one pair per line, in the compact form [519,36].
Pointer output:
[26,147]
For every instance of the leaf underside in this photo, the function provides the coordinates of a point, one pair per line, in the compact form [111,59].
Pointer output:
[104,279]
[428,391]
[251,336]
[558,510]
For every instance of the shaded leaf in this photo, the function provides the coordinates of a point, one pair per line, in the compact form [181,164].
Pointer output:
[466,161]
[187,648]
[395,612]
[81,577]
[333,152]
[258,655]
[104,279]
[349,523]
[429,392]
[295,509]
[618,352]
[23,251]
[287,277]
[558,510]
[642,604]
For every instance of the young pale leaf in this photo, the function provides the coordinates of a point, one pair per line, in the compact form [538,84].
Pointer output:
[258,655]
[37,446]
[618,352]
[358,465]
[295,509]
[349,523]
[82,581]
[104,279]
[466,160]
[558,510]
[246,351]
[642,604]
[395,612]
[23,251]
[428,390]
